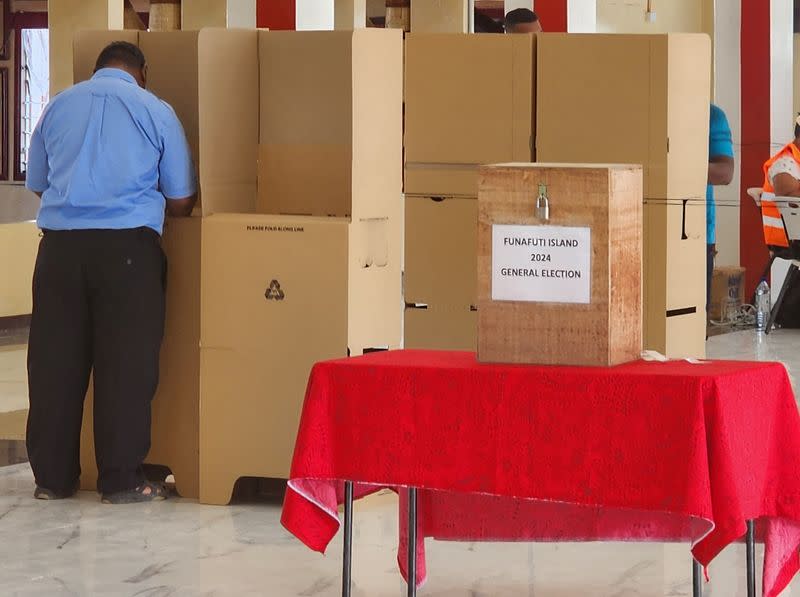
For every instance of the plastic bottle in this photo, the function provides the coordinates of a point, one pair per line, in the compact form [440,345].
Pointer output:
[762,305]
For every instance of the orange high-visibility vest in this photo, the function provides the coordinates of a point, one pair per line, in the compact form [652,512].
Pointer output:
[774,231]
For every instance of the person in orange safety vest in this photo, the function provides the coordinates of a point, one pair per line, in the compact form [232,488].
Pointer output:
[781,179]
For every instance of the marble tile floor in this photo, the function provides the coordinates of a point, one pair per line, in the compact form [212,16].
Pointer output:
[178,548]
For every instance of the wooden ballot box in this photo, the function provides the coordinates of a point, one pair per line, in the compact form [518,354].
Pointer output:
[560,264]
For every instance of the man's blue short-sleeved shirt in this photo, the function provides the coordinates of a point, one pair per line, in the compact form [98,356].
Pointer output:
[107,154]
[720,143]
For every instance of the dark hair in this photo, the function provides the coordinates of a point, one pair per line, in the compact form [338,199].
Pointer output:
[797,131]
[519,16]
[486,24]
[120,53]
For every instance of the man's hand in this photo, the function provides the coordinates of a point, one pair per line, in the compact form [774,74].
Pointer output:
[181,208]
[720,170]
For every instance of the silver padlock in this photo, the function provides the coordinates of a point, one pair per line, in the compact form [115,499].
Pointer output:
[542,204]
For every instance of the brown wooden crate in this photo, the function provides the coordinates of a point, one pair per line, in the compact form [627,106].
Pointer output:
[607,330]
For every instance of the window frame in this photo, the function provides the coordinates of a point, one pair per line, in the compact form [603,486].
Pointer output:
[28,20]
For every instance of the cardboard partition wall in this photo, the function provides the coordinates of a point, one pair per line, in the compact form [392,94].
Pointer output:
[279,291]
[564,289]
[440,274]
[469,100]
[20,239]
[641,99]
[308,267]
[675,277]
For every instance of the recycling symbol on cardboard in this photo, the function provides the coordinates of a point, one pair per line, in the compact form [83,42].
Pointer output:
[274,292]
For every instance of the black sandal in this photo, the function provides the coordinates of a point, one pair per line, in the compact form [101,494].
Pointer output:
[147,492]
[42,493]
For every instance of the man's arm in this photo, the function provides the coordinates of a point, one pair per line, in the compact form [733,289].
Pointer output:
[37,171]
[720,170]
[786,185]
[181,208]
[176,171]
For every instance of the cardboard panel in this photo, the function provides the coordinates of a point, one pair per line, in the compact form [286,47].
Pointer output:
[627,99]
[87,46]
[441,180]
[440,16]
[377,182]
[468,98]
[682,339]
[228,119]
[176,406]
[274,303]
[688,121]
[20,239]
[441,251]
[306,117]
[441,327]
[172,75]
[557,333]
[674,273]
[375,296]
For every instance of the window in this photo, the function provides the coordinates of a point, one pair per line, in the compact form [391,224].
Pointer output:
[32,83]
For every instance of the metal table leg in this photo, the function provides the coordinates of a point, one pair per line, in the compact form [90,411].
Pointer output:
[697,579]
[751,558]
[412,542]
[347,568]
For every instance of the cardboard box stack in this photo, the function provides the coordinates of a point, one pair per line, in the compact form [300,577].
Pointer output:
[469,101]
[641,99]
[727,293]
[297,256]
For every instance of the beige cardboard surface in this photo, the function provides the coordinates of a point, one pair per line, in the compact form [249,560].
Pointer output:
[257,351]
[331,122]
[176,406]
[172,75]
[469,100]
[441,251]
[228,119]
[627,99]
[440,16]
[603,332]
[674,275]
[441,327]
[20,239]
[87,46]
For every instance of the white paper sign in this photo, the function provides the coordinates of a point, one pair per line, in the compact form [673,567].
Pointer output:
[543,264]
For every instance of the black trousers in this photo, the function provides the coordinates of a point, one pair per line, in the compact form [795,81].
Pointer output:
[98,304]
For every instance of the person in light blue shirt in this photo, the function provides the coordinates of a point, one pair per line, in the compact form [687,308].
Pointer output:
[720,172]
[107,159]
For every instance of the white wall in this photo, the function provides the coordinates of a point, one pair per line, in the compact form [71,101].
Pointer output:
[628,16]
[241,14]
[727,95]
[582,16]
[314,15]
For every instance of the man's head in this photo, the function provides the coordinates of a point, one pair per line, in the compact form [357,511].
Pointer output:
[124,56]
[797,129]
[522,20]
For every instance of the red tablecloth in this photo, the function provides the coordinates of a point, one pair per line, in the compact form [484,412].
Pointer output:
[641,452]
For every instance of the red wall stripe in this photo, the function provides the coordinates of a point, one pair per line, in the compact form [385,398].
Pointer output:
[275,14]
[553,14]
[756,132]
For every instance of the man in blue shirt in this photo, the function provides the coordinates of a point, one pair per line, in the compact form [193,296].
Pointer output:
[107,159]
[720,172]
